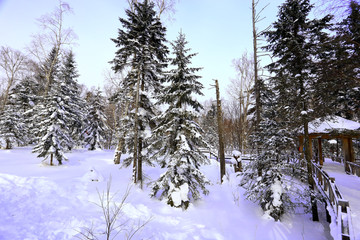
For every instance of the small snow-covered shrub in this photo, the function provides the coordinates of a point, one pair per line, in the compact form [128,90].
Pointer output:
[272,203]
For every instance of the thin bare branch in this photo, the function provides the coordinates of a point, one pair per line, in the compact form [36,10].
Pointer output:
[12,62]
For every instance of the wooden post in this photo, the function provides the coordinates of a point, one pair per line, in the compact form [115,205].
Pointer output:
[310,148]
[301,146]
[220,132]
[348,152]
[237,165]
[321,159]
[337,150]
[51,159]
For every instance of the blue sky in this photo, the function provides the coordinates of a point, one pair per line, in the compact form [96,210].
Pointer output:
[218,31]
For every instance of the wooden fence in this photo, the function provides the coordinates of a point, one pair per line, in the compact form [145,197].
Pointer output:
[340,206]
[354,167]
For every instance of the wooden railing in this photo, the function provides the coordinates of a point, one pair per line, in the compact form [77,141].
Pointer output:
[341,207]
[354,167]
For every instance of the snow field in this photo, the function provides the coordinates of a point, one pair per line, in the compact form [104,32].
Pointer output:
[38,201]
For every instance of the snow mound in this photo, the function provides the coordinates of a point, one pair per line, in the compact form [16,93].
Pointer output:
[92,175]
[29,203]
[180,194]
[236,153]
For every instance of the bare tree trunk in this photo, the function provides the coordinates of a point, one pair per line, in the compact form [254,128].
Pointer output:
[120,144]
[118,151]
[139,164]
[241,122]
[256,77]
[136,130]
[51,159]
[8,144]
[139,160]
[255,19]
[220,132]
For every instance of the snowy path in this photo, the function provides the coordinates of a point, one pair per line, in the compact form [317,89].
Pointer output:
[349,186]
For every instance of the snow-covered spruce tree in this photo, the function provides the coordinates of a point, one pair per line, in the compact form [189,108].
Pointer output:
[337,87]
[275,140]
[12,127]
[15,124]
[291,88]
[25,97]
[71,91]
[346,72]
[209,125]
[53,116]
[51,67]
[141,49]
[95,129]
[53,134]
[178,137]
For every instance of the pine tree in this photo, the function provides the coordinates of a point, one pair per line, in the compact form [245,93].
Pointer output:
[141,48]
[275,141]
[25,97]
[12,127]
[177,136]
[94,133]
[53,114]
[209,125]
[71,91]
[292,43]
[346,74]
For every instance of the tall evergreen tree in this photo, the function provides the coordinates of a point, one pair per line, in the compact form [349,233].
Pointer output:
[26,96]
[95,130]
[71,91]
[337,77]
[141,48]
[52,117]
[347,64]
[12,125]
[177,136]
[292,43]
[16,125]
[275,140]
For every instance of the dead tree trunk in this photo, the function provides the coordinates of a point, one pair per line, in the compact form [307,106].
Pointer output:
[220,132]
[255,19]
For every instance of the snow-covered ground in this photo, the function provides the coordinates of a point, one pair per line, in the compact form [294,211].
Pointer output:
[349,186]
[55,202]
